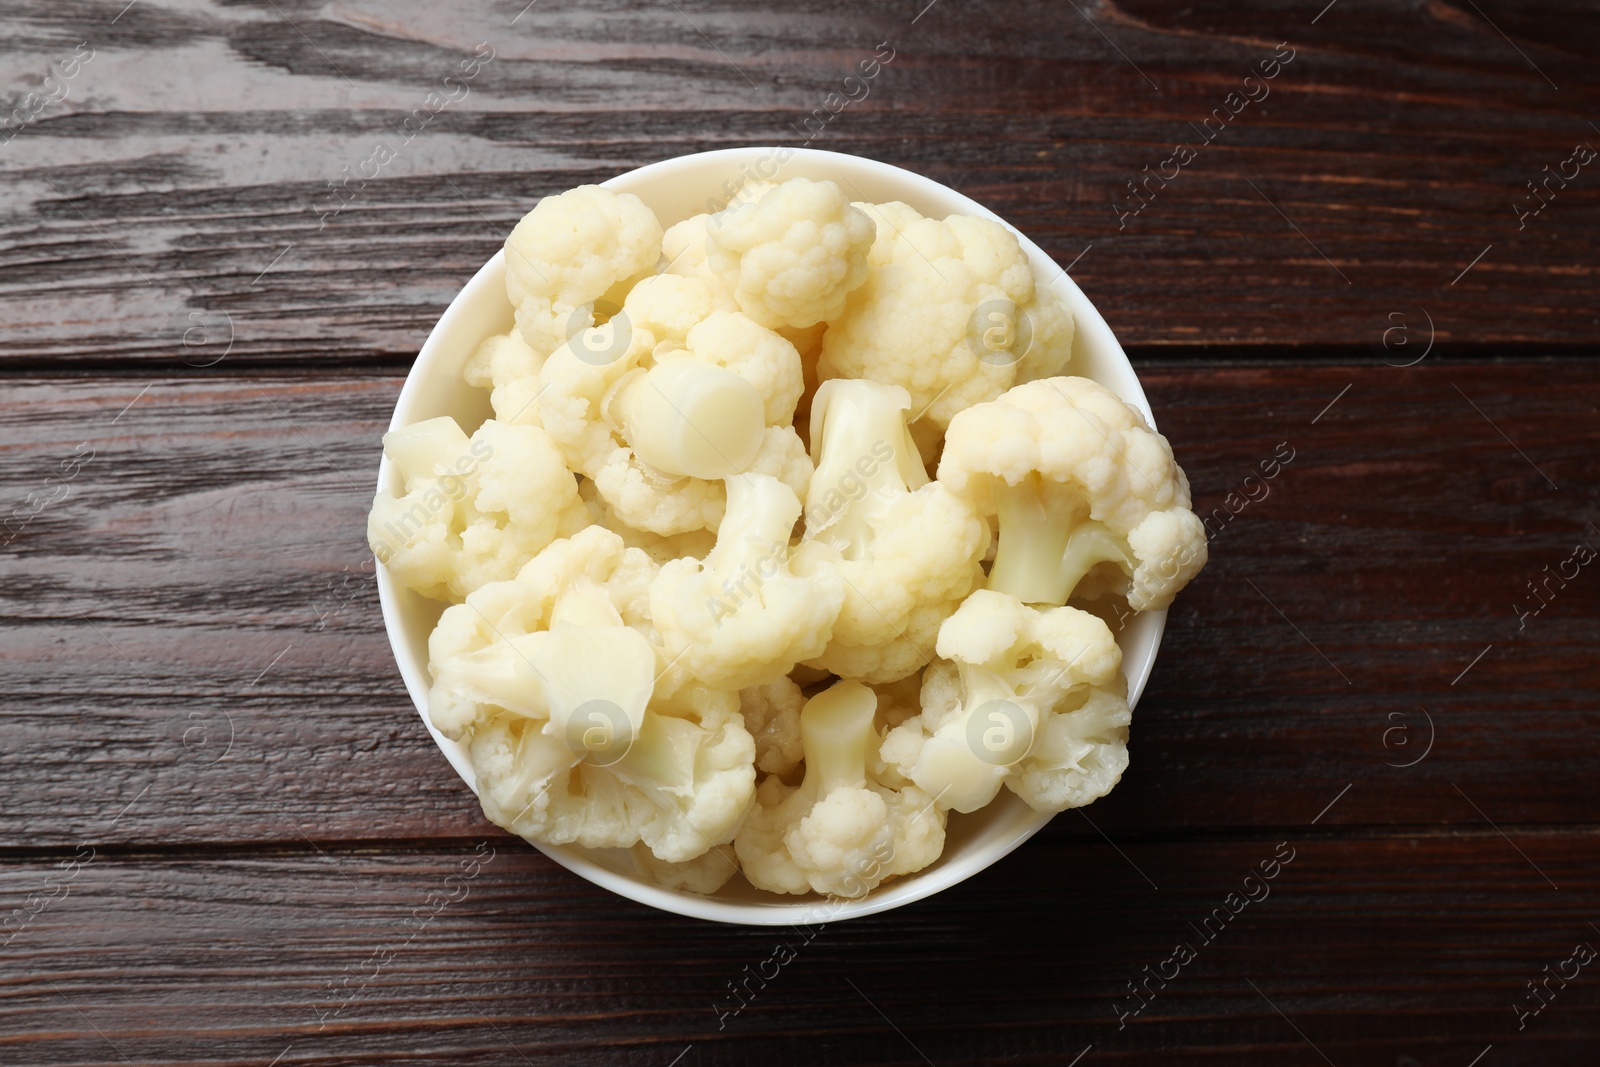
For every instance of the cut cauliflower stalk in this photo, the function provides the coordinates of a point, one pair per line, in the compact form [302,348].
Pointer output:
[951,312]
[908,549]
[838,832]
[553,691]
[656,426]
[473,510]
[1034,700]
[1077,479]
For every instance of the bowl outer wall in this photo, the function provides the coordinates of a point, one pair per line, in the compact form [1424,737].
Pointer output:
[675,189]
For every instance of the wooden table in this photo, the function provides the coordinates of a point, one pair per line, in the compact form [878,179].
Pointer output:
[220,807]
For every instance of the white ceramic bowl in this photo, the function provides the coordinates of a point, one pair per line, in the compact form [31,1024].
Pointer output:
[676,189]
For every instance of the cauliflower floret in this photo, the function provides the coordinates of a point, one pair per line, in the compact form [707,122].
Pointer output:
[685,247]
[791,255]
[473,510]
[569,252]
[573,389]
[772,715]
[663,305]
[838,832]
[908,550]
[1031,699]
[695,543]
[741,618]
[891,221]
[668,306]
[898,702]
[657,429]
[681,789]
[758,355]
[505,365]
[472,654]
[646,500]
[705,874]
[951,312]
[551,681]
[1078,479]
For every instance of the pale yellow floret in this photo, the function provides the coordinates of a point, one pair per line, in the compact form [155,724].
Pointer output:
[473,510]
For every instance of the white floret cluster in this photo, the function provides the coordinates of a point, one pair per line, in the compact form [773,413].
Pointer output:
[762,564]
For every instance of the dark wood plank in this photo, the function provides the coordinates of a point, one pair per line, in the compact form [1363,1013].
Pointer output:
[1372,950]
[204,570]
[212,551]
[201,698]
[151,211]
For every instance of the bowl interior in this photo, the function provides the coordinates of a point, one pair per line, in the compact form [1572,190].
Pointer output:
[676,189]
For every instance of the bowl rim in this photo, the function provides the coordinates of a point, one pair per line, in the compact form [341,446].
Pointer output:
[804,910]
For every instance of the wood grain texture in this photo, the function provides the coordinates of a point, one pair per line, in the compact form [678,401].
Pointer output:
[202,580]
[198,356]
[173,204]
[1373,950]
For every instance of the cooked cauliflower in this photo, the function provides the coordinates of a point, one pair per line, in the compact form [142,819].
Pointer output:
[772,715]
[668,306]
[839,831]
[686,246]
[950,311]
[792,254]
[758,355]
[551,681]
[473,652]
[1078,479]
[741,618]
[571,251]
[681,789]
[473,510]
[695,543]
[509,369]
[637,618]
[1034,700]
[656,435]
[705,874]
[908,549]
[664,305]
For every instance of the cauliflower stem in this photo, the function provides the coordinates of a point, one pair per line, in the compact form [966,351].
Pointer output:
[1047,544]
[685,416]
[865,460]
[836,730]
[907,549]
[840,831]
